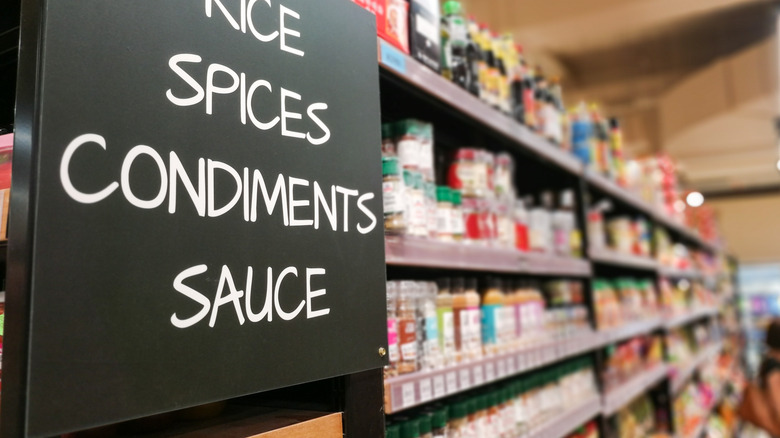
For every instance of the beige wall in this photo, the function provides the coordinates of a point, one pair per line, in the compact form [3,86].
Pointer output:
[751,226]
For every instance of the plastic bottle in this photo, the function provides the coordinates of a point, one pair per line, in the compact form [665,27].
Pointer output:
[454,44]
[563,224]
[473,346]
[508,329]
[407,327]
[392,329]
[460,318]
[492,305]
[432,358]
[445,322]
[521,225]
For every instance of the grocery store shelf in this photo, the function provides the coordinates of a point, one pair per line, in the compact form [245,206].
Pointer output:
[615,191]
[616,398]
[680,375]
[568,420]
[687,318]
[610,257]
[668,272]
[409,390]
[406,251]
[627,331]
[427,81]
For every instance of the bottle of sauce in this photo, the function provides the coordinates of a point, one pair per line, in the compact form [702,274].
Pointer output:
[473,345]
[460,318]
[392,330]
[492,305]
[521,225]
[458,422]
[508,327]
[425,426]
[445,322]
[407,326]
[454,44]
[410,429]
[439,423]
[432,358]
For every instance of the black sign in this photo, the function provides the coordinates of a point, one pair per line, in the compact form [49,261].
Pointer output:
[208,218]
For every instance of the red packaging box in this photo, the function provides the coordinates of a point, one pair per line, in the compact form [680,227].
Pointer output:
[392,18]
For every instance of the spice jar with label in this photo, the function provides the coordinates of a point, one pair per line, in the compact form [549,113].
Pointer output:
[457,222]
[407,327]
[444,213]
[393,196]
[464,173]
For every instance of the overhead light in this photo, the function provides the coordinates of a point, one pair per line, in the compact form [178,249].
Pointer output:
[695,199]
[778,164]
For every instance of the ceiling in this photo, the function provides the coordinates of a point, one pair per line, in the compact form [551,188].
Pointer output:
[694,78]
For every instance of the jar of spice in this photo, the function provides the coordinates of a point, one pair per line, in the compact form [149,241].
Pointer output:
[457,223]
[464,173]
[444,213]
[393,196]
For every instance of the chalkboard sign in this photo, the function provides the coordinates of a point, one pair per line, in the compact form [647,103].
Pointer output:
[207,216]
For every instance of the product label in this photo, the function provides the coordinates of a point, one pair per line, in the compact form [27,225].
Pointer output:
[417,216]
[457,226]
[443,219]
[490,322]
[392,197]
[392,340]
[426,28]
[446,332]
[408,339]
[409,153]
[465,177]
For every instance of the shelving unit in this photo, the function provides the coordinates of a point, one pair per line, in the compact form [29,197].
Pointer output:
[681,375]
[616,398]
[687,318]
[568,420]
[628,331]
[667,272]
[412,390]
[403,251]
[625,260]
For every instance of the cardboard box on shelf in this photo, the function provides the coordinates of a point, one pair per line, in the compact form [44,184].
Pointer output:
[392,17]
[424,32]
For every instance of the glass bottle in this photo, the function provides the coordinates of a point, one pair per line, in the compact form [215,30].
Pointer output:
[407,326]
[392,330]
